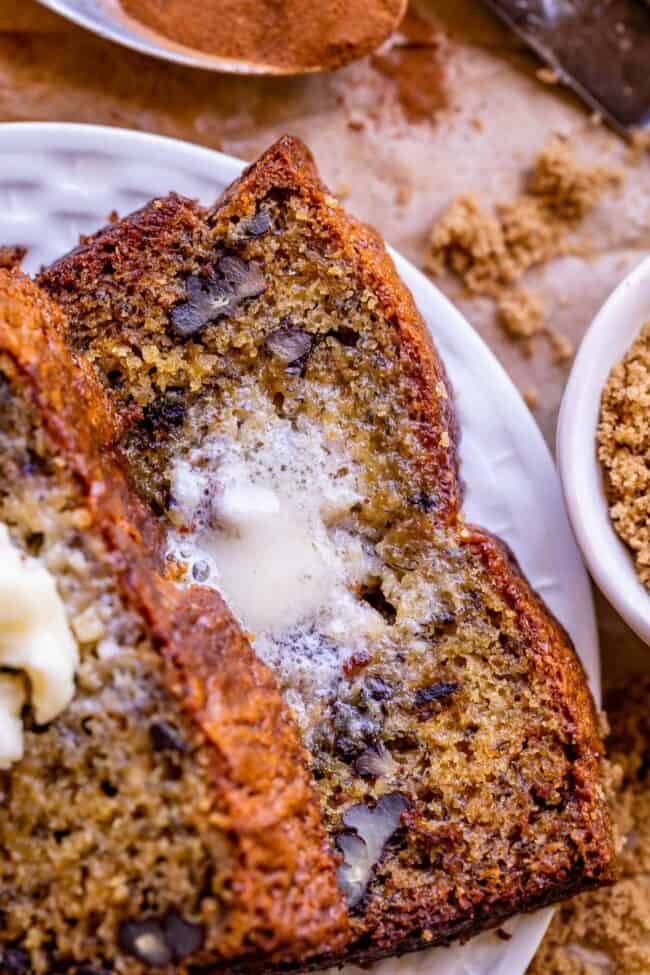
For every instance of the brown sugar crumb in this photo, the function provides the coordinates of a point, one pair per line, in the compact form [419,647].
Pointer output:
[531,397]
[639,146]
[404,195]
[12,256]
[520,313]
[561,345]
[624,450]
[356,123]
[607,932]
[489,251]
[414,62]
[547,76]
[566,190]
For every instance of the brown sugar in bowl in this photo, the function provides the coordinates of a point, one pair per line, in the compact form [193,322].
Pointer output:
[606,343]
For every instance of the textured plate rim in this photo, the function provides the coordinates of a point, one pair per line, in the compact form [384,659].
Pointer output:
[33,136]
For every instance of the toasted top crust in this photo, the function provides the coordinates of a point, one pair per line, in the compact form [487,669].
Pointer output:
[289,164]
[285,902]
[171,226]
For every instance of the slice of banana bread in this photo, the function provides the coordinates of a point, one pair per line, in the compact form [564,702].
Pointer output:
[287,417]
[165,818]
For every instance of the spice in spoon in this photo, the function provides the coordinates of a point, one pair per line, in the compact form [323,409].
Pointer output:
[286,36]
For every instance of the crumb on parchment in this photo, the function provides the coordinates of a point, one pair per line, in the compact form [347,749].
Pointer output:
[520,313]
[624,450]
[491,250]
[531,397]
[561,345]
[639,146]
[356,122]
[404,195]
[547,76]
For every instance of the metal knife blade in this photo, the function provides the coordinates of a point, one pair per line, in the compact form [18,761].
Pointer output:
[599,48]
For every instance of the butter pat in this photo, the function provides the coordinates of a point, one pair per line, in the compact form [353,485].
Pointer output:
[12,699]
[259,517]
[264,517]
[34,637]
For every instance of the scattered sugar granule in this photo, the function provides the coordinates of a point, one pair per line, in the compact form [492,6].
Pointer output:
[531,397]
[491,250]
[520,313]
[561,345]
[547,76]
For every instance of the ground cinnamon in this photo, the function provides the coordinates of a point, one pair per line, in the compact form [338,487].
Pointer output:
[289,35]
[414,63]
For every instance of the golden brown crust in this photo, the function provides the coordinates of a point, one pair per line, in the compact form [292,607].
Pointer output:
[285,902]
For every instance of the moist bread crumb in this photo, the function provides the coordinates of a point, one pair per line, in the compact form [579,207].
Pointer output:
[623,439]
[606,932]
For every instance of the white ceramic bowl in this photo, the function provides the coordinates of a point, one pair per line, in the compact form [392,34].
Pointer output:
[609,337]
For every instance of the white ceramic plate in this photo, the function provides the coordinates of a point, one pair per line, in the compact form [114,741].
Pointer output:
[610,335]
[60,181]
